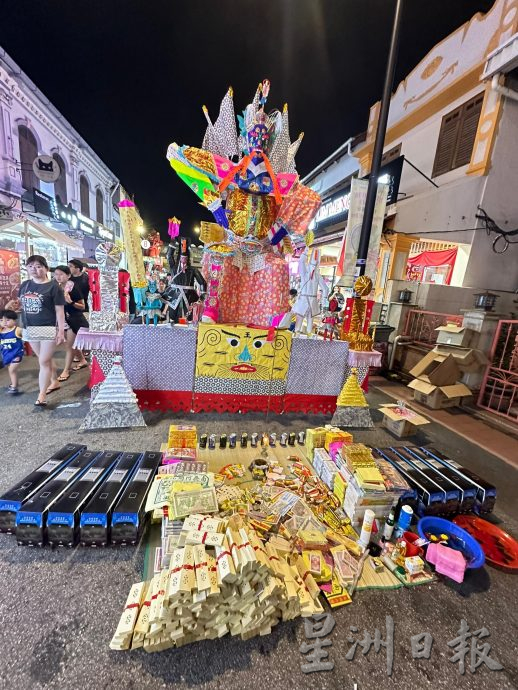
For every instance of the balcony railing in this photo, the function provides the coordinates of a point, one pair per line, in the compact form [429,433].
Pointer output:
[499,390]
[421,325]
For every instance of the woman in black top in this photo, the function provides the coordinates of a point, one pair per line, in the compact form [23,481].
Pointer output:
[75,319]
[43,319]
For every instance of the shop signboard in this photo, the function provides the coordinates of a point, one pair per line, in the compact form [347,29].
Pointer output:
[335,209]
[9,276]
[46,168]
[46,205]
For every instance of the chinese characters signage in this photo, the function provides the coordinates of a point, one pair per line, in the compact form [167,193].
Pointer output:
[9,276]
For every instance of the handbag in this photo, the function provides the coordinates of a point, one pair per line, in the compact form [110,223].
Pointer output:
[38,333]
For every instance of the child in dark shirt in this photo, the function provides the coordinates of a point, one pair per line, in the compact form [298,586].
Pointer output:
[11,345]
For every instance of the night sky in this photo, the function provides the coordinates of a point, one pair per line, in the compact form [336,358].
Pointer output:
[131,75]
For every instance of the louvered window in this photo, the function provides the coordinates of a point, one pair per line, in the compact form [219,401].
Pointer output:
[457,136]
[28,152]
[84,195]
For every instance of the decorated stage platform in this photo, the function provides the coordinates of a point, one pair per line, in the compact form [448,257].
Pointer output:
[233,368]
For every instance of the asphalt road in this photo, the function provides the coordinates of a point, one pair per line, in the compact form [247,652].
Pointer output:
[60,608]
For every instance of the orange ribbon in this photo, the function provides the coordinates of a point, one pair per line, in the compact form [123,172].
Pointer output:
[243,164]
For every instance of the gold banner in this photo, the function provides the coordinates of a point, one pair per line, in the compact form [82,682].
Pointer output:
[130,221]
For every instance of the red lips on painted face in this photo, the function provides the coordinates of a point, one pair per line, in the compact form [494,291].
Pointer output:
[243,369]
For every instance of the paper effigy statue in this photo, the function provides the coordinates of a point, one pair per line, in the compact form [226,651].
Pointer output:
[249,182]
[149,304]
[182,293]
[307,304]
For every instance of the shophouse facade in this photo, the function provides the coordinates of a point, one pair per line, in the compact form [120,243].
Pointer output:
[454,120]
[65,217]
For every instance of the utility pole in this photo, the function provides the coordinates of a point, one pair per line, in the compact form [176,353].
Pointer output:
[379,142]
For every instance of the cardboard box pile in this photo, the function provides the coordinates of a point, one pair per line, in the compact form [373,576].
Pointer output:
[436,383]
[452,334]
[224,580]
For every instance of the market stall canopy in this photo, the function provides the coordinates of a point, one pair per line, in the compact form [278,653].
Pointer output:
[25,227]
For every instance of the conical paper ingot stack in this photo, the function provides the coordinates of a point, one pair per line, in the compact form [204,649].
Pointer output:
[352,410]
[115,405]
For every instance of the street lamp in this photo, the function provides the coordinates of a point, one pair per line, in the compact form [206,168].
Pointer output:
[197,229]
[141,229]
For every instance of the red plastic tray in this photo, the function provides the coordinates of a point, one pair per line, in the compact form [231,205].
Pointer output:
[500,549]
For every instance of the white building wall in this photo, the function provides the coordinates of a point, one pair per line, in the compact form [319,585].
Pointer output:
[499,199]
[21,103]
[433,213]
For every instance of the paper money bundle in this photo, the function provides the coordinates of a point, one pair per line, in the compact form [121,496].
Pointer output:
[243,587]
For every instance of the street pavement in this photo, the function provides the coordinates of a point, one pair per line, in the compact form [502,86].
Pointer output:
[59,608]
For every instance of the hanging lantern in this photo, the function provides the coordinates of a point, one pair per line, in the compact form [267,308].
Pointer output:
[405,296]
[173,228]
[485,300]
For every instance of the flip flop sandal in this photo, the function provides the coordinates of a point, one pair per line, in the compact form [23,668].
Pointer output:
[40,403]
[62,378]
[81,366]
[52,390]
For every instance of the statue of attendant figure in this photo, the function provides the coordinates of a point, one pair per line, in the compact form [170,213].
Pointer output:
[149,304]
[307,304]
[181,294]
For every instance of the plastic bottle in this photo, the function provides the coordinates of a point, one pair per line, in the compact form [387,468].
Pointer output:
[389,526]
[368,520]
[399,553]
[404,520]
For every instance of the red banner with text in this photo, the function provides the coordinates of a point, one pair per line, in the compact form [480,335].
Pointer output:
[9,276]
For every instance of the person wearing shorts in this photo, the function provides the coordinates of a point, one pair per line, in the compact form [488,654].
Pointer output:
[74,320]
[11,346]
[43,319]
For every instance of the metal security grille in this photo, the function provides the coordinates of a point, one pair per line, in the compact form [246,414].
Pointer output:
[499,390]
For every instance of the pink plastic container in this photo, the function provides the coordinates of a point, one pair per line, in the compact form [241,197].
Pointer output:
[447,561]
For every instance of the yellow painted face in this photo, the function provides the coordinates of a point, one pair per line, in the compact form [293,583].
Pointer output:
[239,352]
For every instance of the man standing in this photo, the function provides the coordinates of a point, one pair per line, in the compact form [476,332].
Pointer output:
[80,279]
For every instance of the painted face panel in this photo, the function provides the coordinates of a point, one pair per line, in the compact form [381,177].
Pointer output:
[239,352]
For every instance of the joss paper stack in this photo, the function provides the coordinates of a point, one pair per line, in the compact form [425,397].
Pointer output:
[315,438]
[243,586]
[182,436]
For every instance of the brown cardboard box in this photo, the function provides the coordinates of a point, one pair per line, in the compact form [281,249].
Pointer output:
[468,360]
[437,369]
[451,334]
[399,425]
[438,397]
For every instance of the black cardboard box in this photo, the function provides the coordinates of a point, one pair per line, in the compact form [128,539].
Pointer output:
[128,518]
[96,515]
[63,517]
[32,517]
[12,500]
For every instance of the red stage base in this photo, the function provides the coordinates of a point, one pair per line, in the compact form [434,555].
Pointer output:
[187,401]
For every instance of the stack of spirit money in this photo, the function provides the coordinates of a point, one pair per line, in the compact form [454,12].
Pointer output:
[224,579]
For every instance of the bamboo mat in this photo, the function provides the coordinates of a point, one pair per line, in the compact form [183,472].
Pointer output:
[370,579]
